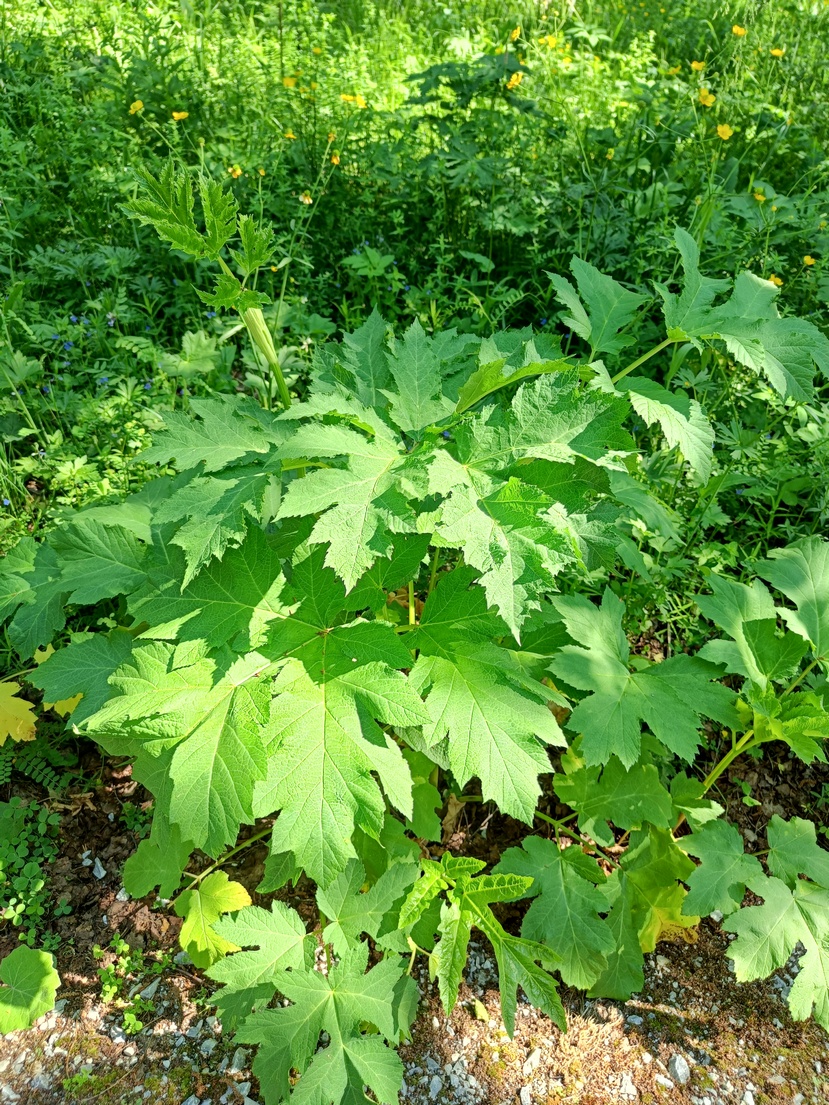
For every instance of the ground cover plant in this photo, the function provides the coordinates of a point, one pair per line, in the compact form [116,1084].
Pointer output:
[329,608]
[405,407]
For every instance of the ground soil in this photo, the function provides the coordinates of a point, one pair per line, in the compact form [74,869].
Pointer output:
[736,1043]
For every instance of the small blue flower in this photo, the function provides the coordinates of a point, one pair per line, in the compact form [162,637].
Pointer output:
[41,452]
[741,490]
[45,389]
[179,391]
[110,322]
[210,314]
[67,345]
[66,363]
[7,502]
[73,318]
[148,385]
[447,435]
[87,283]
[55,337]
[175,281]
[542,322]
[147,329]
[767,437]
[407,287]
[104,380]
[84,320]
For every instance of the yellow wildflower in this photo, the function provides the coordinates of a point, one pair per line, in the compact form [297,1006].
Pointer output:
[359,101]
[724,131]
[759,197]
[234,171]
[289,134]
[261,171]
[305,198]
[706,97]
[776,280]
[316,50]
[514,81]
[698,66]
[289,82]
[610,154]
[738,30]
[808,260]
[777,52]
[346,98]
[514,33]
[335,159]
[314,86]
[672,72]
[774,207]
[274,268]
[179,115]
[566,60]
[136,106]
[550,41]
[331,136]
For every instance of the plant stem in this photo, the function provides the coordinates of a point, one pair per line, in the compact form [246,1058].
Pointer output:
[742,745]
[412,611]
[224,858]
[801,677]
[434,572]
[645,357]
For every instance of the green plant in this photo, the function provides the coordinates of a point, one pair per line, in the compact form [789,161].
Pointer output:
[28,983]
[27,845]
[332,607]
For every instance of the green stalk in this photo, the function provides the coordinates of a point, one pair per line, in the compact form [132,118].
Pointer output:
[645,357]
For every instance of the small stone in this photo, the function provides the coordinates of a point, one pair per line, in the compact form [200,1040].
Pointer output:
[532,1062]
[716,916]
[41,1082]
[192,1100]
[798,1099]
[748,1098]
[150,991]
[633,1019]
[207,1047]
[242,1088]
[435,1086]
[662,1081]
[818,1066]
[8,1094]
[525,1097]
[239,1061]
[165,1063]
[122,896]
[647,1057]
[679,1070]
[98,869]
[627,1089]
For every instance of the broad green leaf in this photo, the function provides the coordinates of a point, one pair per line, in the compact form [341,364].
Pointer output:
[566,907]
[219,208]
[337,1004]
[168,701]
[491,377]
[364,361]
[41,614]
[627,797]
[623,974]
[449,957]
[655,867]
[681,418]
[97,561]
[689,314]
[15,567]
[218,436]
[323,746]
[350,912]
[719,883]
[416,399]
[167,205]
[152,866]
[373,589]
[605,307]
[801,572]
[201,908]
[249,978]
[669,697]
[257,246]
[794,851]
[688,797]
[28,983]
[768,934]
[232,600]
[495,717]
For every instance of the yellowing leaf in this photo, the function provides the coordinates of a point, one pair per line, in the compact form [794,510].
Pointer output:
[203,906]
[17,718]
[63,706]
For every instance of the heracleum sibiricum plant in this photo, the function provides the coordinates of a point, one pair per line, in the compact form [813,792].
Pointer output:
[319,613]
